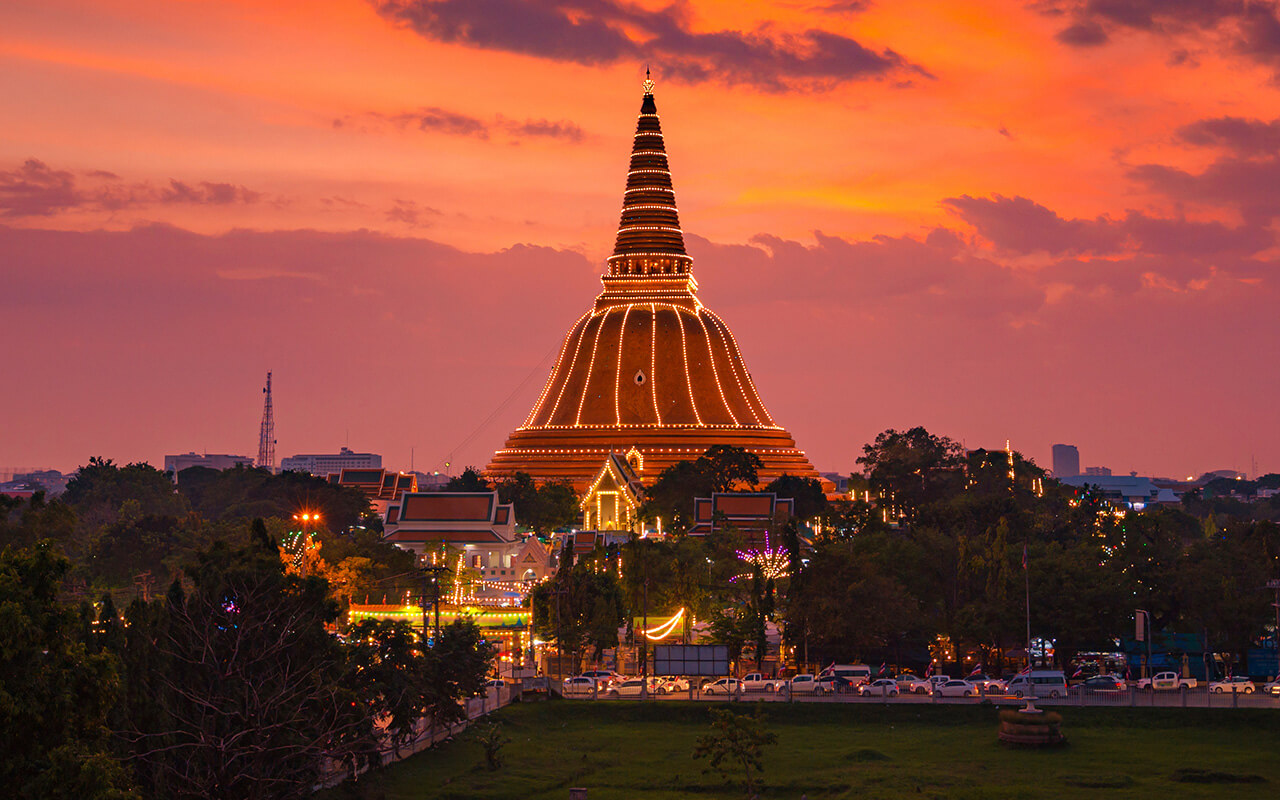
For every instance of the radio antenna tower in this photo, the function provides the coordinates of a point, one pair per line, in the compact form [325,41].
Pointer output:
[267,432]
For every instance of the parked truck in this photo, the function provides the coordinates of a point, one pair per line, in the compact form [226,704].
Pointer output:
[756,682]
[1165,682]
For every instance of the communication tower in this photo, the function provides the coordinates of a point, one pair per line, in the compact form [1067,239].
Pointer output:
[267,432]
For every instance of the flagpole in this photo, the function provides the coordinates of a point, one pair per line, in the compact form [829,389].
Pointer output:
[1026,577]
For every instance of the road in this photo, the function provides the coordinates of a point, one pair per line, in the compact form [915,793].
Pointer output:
[1195,698]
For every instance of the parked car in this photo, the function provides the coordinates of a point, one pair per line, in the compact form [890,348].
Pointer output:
[722,686]
[958,688]
[1039,683]
[806,684]
[910,684]
[835,684]
[1273,688]
[634,687]
[1237,684]
[937,680]
[1166,682]
[495,683]
[756,682]
[604,678]
[579,685]
[987,684]
[1100,683]
[676,683]
[882,687]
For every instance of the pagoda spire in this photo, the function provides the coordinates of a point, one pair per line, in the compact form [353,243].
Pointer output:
[650,241]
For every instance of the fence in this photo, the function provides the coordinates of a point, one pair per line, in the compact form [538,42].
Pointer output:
[426,734]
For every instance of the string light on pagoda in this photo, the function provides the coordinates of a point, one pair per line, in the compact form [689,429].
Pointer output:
[772,563]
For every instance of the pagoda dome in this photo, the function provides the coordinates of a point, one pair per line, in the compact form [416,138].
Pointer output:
[649,368]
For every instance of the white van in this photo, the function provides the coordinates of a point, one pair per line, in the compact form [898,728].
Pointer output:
[856,674]
[1038,683]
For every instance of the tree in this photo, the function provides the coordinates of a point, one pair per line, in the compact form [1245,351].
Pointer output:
[736,745]
[55,695]
[719,469]
[100,487]
[544,508]
[253,692]
[908,468]
[810,500]
[243,493]
[837,581]
[729,466]
[469,481]
[578,609]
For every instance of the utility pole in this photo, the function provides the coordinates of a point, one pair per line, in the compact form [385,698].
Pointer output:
[434,570]
[1275,585]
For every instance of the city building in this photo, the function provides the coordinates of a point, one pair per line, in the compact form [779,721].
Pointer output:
[648,366]
[51,481]
[175,464]
[1066,460]
[326,464]
[1129,491]
[1097,472]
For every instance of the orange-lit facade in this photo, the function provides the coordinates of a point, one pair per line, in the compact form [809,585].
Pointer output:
[649,366]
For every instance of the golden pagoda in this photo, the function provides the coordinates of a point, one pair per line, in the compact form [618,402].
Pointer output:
[649,369]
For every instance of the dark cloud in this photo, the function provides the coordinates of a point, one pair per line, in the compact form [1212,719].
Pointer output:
[410,213]
[453,123]
[597,32]
[1245,137]
[35,190]
[442,121]
[842,7]
[206,193]
[1083,34]
[541,127]
[1245,27]
[1248,185]
[1023,226]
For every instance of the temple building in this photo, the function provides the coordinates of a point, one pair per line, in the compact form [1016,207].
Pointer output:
[612,501]
[648,367]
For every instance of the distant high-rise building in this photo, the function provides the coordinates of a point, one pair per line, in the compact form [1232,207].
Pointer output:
[218,461]
[326,464]
[1097,471]
[1066,460]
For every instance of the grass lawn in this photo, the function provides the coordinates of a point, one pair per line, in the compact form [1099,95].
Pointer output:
[621,750]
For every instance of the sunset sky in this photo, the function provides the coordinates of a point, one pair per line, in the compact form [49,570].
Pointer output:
[1036,220]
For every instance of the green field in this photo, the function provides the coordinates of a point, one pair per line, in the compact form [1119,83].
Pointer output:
[623,750]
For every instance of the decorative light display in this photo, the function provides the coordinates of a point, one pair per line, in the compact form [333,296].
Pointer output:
[664,630]
[772,563]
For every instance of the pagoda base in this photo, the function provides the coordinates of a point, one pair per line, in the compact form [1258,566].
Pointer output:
[576,453]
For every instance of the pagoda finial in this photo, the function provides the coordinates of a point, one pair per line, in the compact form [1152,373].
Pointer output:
[648,81]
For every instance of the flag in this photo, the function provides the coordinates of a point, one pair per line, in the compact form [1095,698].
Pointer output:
[1078,672]
[1024,555]
[977,670]
[929,670]
[883,667]
[1025,670]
